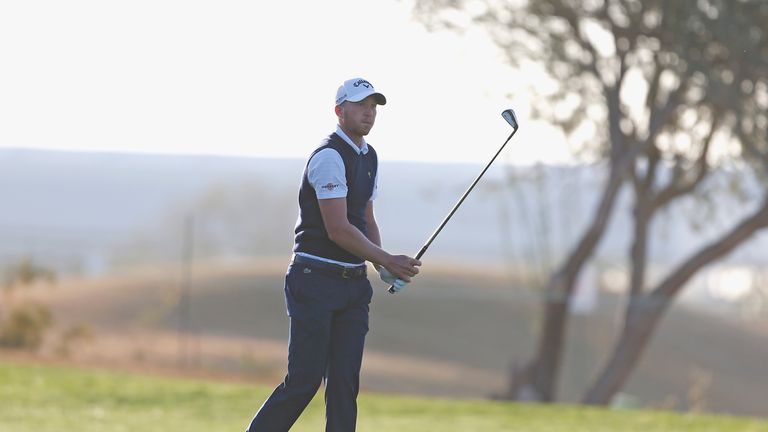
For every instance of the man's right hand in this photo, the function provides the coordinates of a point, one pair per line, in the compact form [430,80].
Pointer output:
[402,267]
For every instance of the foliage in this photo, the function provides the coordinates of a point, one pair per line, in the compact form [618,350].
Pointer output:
[25,326]
[642,67]
[26,272]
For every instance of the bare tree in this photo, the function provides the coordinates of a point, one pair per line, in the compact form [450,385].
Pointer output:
[640,75]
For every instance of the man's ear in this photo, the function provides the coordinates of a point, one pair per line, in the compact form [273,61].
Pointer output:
[338,110]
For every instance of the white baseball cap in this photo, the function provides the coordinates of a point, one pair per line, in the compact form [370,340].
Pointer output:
[357,89]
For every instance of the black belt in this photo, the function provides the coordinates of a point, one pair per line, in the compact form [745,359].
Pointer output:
[336,269]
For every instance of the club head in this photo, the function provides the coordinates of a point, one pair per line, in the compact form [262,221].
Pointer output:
[509,116]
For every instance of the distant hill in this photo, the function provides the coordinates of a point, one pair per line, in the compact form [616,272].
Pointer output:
[59,203]
[84,212]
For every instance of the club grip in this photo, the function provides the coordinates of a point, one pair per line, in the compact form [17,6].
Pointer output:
[391,289]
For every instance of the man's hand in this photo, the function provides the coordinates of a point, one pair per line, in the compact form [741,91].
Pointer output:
[398,270]
[402,267]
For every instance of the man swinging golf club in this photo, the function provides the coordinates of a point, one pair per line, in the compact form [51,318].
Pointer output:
[327,292]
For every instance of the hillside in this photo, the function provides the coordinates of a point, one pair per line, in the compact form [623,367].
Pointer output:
[455,333]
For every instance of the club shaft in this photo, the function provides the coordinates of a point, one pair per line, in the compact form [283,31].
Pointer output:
[458,204]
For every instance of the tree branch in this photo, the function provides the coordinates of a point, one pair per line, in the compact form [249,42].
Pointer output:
[677,186]
[670,286]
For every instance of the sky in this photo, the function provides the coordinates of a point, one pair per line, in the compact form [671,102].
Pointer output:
[254,78]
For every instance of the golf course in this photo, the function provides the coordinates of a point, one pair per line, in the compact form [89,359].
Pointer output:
[453,335]
[38,397]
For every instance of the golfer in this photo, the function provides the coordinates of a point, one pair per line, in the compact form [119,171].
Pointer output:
[327,292]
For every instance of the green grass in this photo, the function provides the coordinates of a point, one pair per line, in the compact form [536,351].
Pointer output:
[41,398]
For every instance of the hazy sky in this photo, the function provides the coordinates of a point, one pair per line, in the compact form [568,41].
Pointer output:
[252,78]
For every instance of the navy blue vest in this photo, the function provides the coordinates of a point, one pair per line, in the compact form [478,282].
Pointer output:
[360,170]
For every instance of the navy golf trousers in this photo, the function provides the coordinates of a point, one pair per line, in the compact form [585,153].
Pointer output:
[328,323]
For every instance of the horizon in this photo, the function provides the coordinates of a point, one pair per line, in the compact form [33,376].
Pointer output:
[143,153]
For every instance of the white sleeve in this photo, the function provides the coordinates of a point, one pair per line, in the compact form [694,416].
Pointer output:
[326,174]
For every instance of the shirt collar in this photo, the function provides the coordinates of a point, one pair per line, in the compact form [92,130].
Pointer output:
[359,150]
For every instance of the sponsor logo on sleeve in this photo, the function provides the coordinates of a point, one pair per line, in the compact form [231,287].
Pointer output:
[329,187]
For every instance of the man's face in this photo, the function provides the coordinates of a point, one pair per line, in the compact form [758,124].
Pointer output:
[358,117]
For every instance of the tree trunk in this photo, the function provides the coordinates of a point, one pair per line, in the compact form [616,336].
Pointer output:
[545,367]
[639,322]
[645,312]
[538,380]
[639,251]
[632,342]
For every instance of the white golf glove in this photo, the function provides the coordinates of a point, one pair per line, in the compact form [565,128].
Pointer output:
[391,279]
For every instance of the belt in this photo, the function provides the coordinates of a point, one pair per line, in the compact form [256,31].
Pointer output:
[336,269]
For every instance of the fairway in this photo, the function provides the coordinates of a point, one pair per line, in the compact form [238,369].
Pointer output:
[42,398]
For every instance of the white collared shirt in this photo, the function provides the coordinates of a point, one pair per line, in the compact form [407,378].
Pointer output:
[326,173]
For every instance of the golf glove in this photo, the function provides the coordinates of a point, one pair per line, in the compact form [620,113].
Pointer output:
[391,279]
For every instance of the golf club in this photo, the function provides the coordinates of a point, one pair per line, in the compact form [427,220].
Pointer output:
[509,116]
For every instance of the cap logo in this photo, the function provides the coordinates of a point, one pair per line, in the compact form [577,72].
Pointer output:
[357,89]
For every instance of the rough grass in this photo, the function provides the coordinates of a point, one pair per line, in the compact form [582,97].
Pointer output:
[39,398]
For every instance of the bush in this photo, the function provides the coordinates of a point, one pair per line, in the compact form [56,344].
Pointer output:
[25,326]
[26,272]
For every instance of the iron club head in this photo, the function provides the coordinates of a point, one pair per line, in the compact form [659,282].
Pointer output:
[510,117]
